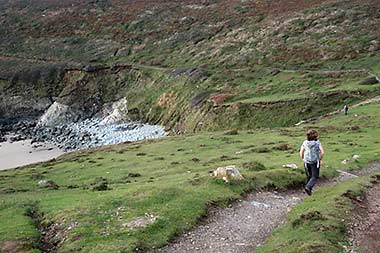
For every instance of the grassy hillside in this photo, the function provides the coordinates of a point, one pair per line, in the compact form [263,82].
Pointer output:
[189,102]
[175,33]
[192,64]
[165,181]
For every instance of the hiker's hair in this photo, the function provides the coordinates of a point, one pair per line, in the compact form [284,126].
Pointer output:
[312,135]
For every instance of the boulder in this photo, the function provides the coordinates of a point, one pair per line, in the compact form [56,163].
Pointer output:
[48,184]
[291,166]
[370,80]
[56,114]
[227,173]
[231,132]
[89,68]
[117,112]
[275,72]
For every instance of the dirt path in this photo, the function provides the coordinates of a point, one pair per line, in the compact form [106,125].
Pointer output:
[364,228]
[30,59]
[314,119]
[239,228]
[246,224]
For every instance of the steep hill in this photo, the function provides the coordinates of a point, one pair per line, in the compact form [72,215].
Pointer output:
[137,196]
[189,65]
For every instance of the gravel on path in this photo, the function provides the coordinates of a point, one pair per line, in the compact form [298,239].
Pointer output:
[364,226]
[239,228]
[247,223]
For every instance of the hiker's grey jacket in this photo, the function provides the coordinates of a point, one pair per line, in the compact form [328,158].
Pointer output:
[311,151]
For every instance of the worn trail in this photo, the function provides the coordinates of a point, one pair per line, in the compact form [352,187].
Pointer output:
[246,224]
[364,228]
[317,118]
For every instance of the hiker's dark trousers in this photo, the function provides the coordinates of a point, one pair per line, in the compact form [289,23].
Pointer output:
[312,174]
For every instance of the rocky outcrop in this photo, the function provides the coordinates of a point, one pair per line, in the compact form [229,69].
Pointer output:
[115,113]
[58,114]
[30,89]
[62,94]
[112,113]
[370,80]
[20,107]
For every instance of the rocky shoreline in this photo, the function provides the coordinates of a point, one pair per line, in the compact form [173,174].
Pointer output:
[79,135]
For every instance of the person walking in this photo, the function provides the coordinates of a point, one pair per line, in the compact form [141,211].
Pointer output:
[345,109]
[311,152]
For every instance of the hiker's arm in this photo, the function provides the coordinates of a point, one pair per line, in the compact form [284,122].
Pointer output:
[302,150]
[321,152]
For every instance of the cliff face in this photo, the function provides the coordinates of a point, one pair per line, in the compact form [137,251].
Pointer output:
[182,102]
[29,92]
[189,65]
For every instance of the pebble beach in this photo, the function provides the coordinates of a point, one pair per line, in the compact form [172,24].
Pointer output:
[25,144]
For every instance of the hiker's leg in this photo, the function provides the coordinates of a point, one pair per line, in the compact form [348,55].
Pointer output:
[314,175]
[308,173]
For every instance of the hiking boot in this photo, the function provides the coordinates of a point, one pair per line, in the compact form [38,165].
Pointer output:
[308,191]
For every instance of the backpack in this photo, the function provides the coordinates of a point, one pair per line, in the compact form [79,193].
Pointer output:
[311,153]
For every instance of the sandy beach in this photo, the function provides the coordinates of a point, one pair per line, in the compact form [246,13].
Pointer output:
[22,153]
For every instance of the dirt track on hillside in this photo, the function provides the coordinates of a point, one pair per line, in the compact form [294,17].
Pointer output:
[247,223]
[364,228]
[365,102]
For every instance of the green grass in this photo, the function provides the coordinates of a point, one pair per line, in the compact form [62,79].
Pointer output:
[318,224]
[175,187]
[179,194]
[174,184]
[259,99]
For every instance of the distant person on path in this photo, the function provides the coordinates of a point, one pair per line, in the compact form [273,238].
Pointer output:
[311,153]
[345,109]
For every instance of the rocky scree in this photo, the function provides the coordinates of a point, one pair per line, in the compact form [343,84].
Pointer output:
[84,134]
